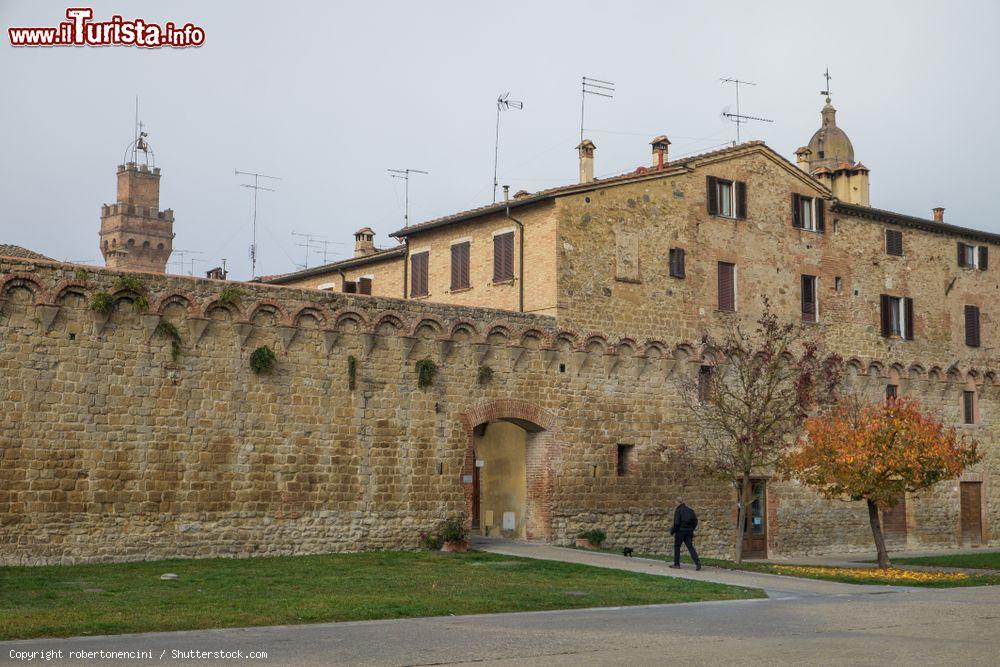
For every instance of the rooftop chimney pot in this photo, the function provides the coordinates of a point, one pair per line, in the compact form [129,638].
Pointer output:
[938,214]
[586,149]
[364,242]
[661,151]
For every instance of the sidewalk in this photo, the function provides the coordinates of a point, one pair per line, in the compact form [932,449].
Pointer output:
[776,586]
[867,560]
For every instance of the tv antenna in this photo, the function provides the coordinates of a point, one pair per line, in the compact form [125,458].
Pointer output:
[139,142]
[255,187]
[308,245]
[593,87]
[404,174]
[827,76]
[737,117]
[180,261]
[504,103]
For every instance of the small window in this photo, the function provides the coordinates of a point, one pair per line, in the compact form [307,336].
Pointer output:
[677,262]
[704,383]
[727,286]
[969,407]
[972,326]
[891,392]
[365,286]
[460,265]
[727,198]
[810,303]
[418,274]
[626,462]
[838,284]
[897,317]
[973,257]
[894,242]
[807,213]
[350,287]
[503,257]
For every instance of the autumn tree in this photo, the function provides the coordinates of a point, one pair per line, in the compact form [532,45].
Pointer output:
[748,410]
[876,453]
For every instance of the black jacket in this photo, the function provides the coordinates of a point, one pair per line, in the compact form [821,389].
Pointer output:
[685,520]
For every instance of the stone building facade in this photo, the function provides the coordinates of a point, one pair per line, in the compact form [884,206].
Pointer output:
[560,324]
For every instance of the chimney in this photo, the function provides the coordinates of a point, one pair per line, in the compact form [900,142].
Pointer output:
[586,149]
[938,214]
[802,158]
[506,192]
[364,242]
[661,150]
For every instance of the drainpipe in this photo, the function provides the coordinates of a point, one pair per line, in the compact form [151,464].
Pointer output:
[343,279]
[520,249]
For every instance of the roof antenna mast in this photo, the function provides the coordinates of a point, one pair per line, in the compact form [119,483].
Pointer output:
[827,76]
[593,87]
[737,117]
[253,237]
[503,104]
[404,174]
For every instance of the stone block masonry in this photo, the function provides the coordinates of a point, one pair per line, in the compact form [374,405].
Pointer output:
[111,450]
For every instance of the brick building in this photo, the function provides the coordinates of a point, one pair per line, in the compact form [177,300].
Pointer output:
[557,321]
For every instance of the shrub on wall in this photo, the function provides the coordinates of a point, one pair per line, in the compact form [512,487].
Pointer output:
[134,285]
[426,370]
[352,372]
[230,295]
[595,536]
[167,330]
[262,360]
[102,303]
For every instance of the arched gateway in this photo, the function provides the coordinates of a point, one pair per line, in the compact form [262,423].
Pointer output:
[508,474]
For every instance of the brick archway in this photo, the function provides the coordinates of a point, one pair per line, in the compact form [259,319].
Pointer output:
[539,456]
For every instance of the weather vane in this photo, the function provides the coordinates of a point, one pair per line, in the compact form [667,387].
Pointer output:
[826,92]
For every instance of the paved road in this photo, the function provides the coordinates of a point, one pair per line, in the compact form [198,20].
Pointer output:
[802,623]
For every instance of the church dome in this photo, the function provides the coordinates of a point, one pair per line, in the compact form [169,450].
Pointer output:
[830,145]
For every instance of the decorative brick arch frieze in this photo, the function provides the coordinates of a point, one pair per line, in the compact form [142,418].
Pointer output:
[540,456]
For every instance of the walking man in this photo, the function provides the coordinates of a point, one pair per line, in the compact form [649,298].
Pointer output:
[685,521]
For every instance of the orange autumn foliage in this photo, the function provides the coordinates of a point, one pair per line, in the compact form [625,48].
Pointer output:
[878,451]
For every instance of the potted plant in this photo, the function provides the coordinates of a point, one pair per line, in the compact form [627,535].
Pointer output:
[590,539]
[454,536]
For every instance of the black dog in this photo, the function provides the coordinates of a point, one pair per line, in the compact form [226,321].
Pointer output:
[627,552]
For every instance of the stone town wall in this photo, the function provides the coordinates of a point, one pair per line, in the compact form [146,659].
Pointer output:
[112,450]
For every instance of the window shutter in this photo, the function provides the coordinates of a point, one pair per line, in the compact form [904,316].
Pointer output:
[350,287]
[365,286]
[908,315]
[972,326]
[503,257]
[808,298]
[886,315]
[466,249]
[796,211]
[418,274]
[894,242]
[456,269]
[984,257]
[741,200]
[713,196]
[961,254]
[726,296]
[498,258]
[680,262]
[820,220]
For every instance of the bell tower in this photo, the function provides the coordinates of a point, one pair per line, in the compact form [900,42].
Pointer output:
[135,233]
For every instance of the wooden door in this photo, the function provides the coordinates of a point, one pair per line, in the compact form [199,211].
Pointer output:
[894,523]
[755,528]
[972,513]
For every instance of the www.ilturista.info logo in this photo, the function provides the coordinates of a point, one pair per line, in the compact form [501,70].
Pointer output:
[80,30]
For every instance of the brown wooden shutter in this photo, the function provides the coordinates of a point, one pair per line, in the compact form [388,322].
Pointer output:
[984,258]
[503,257]
[894,242]
[908,317]
[498,258]
[466,278]
[680,262]
[726,287]
[741,199]
[460,265]
[796,211]
[418,274]
[808,298]
[820,217]
[713,196]
[961,254]
[508,257]
[972,326]
[365,286]
[350,287]
[885,310]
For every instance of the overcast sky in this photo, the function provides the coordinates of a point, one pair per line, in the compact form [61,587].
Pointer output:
[328,96]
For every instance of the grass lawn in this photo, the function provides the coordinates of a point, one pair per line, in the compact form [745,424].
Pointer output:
[989,560]
[215,593]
